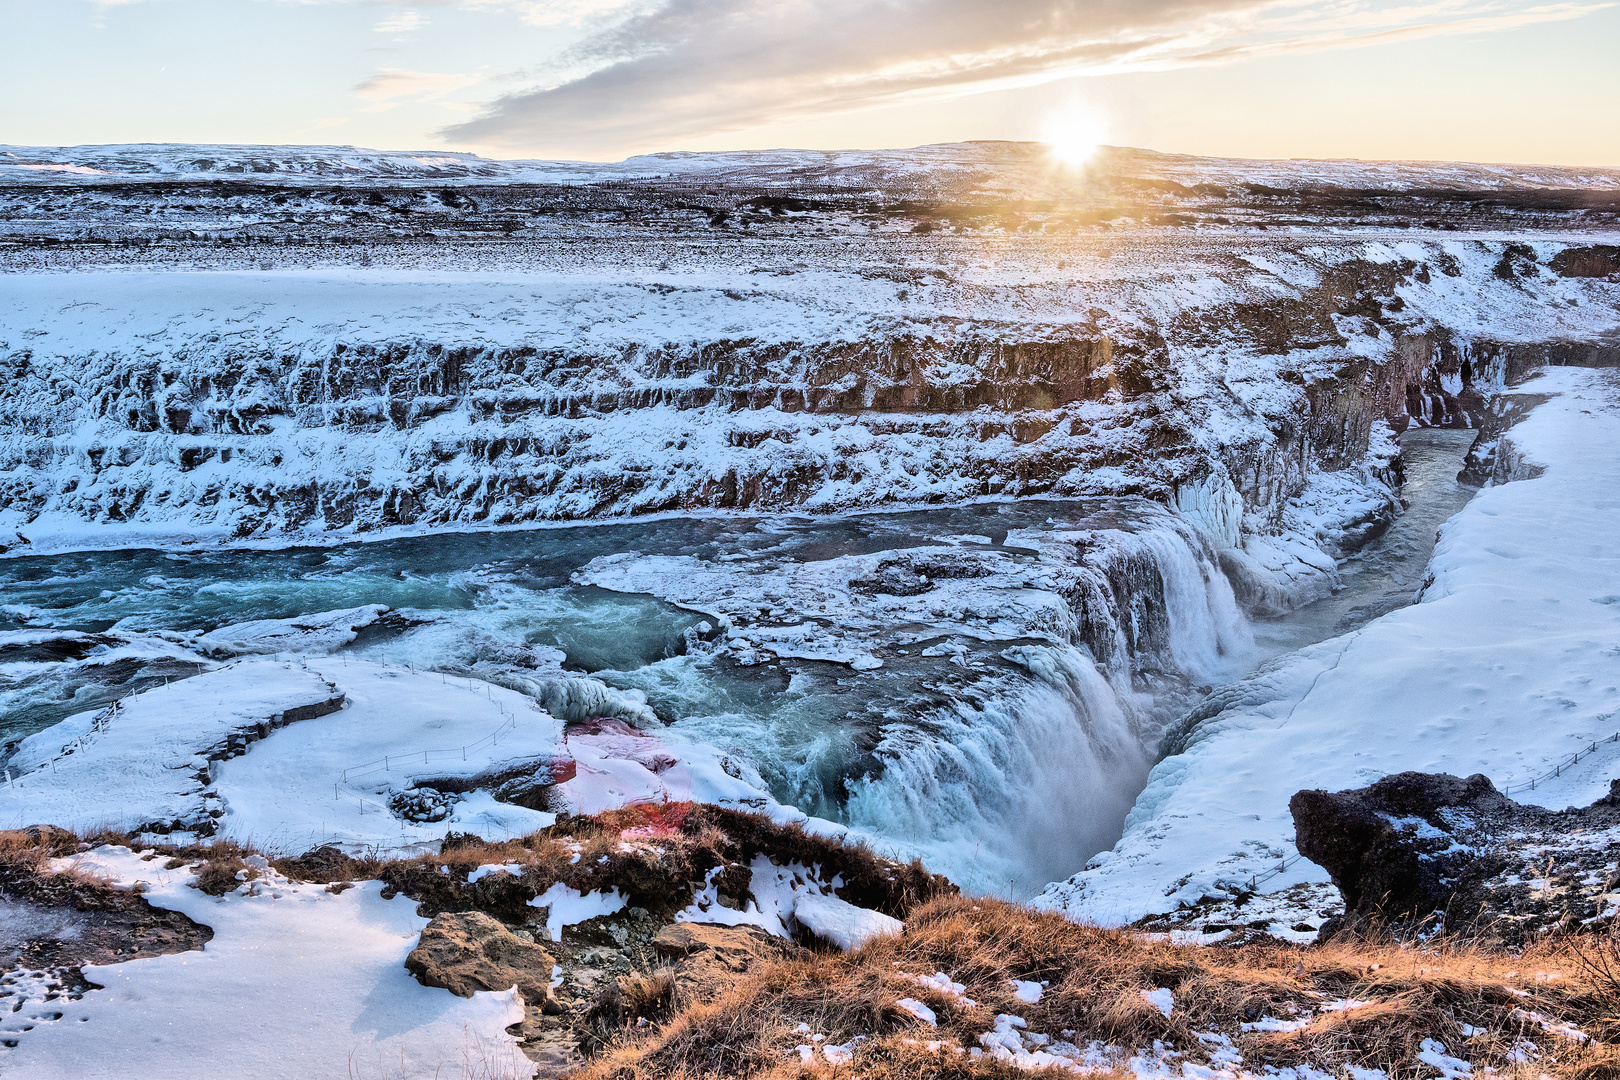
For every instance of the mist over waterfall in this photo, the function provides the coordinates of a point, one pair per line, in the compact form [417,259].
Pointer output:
[981,686]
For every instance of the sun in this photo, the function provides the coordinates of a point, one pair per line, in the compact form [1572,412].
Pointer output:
[1073,135]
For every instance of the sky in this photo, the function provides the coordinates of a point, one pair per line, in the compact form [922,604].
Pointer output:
[1475,80]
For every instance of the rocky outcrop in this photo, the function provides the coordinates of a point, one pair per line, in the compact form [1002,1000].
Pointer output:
[1417,852]
[1375,847]
[1595,261]
[673,865]
[707,956]
[1484,465]
[464,952]
[432,434]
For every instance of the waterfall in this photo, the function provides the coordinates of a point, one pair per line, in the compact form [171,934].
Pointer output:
[1208,633]
[1006,793]
[1022,781]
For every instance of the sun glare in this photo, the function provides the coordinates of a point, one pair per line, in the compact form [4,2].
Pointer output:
[1073,136]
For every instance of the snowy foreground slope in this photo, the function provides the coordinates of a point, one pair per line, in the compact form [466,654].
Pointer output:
[298,981]
[1505,667]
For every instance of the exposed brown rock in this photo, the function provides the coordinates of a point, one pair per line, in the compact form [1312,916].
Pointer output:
[708,956]
[736,946]
[52,839]
[467,951]
[1599,260]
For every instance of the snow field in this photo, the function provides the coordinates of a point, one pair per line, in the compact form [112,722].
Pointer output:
[1017,167]
[297,982]
[313,782]
[140,764]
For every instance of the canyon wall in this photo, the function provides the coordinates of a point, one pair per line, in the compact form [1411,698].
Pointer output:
[1252,388]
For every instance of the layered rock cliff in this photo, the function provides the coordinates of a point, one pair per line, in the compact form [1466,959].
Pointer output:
[1250,382]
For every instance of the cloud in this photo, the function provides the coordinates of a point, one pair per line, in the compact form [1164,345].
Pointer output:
[689,68]
[391,87]
[557,12]
[533,12]
[403,22]
[1463,24]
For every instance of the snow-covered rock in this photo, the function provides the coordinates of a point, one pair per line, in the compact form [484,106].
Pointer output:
[308,406]
[149,762]
[289,754]
[321,632]
[842,923]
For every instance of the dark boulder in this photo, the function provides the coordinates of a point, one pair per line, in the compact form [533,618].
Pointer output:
[1416,852]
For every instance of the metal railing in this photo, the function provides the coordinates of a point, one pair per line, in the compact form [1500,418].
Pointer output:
[388,762]
[1558,770]
[1257,880]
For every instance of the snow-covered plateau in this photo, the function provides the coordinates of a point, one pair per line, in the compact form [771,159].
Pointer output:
[1052,527]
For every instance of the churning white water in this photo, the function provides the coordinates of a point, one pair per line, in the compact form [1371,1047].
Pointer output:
[1009,791]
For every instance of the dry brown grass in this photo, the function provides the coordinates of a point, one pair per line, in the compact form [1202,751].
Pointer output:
[629,1001]
[1485,1007]
[216,877]
[653,855]
[25,850]
[1096,978]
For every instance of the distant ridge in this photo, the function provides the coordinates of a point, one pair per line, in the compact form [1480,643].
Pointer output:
[991,166]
